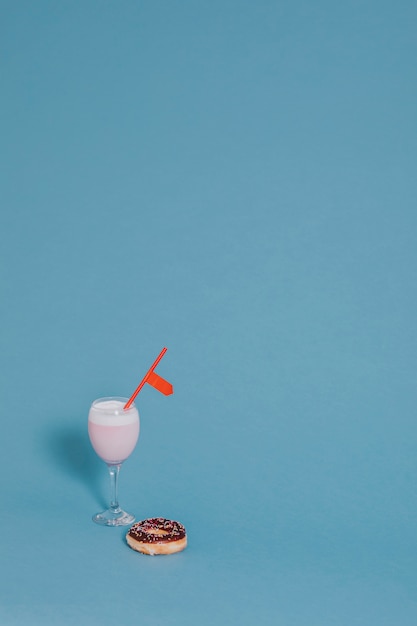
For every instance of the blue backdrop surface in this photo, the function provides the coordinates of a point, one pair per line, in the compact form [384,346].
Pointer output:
[236,181]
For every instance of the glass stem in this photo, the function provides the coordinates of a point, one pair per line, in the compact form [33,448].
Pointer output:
[114,480]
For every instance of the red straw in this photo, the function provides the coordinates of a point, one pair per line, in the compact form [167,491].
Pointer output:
[143,381]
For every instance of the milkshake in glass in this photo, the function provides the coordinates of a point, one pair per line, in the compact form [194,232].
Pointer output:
[113,433]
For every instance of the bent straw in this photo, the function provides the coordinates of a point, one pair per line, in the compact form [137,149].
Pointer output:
[143,381]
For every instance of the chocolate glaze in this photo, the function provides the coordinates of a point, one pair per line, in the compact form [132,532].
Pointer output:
[143,531]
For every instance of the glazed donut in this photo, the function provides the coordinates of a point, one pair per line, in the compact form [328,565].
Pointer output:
[157,536]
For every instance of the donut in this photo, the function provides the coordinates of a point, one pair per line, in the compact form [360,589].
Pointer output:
[157,535]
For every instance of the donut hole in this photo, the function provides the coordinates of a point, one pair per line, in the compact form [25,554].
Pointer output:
[160,531]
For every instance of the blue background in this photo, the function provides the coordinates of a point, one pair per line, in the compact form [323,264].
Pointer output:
[236,181]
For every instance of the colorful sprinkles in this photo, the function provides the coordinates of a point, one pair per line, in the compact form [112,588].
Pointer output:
[157,530]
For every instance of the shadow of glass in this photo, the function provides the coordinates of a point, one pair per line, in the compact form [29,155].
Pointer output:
[70,451]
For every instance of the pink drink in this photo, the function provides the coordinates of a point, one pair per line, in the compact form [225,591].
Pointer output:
[113,431]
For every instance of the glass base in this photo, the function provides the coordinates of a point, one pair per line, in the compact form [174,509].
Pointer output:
[114,517]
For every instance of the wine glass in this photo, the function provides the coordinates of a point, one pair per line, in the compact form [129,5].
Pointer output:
[113,433]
